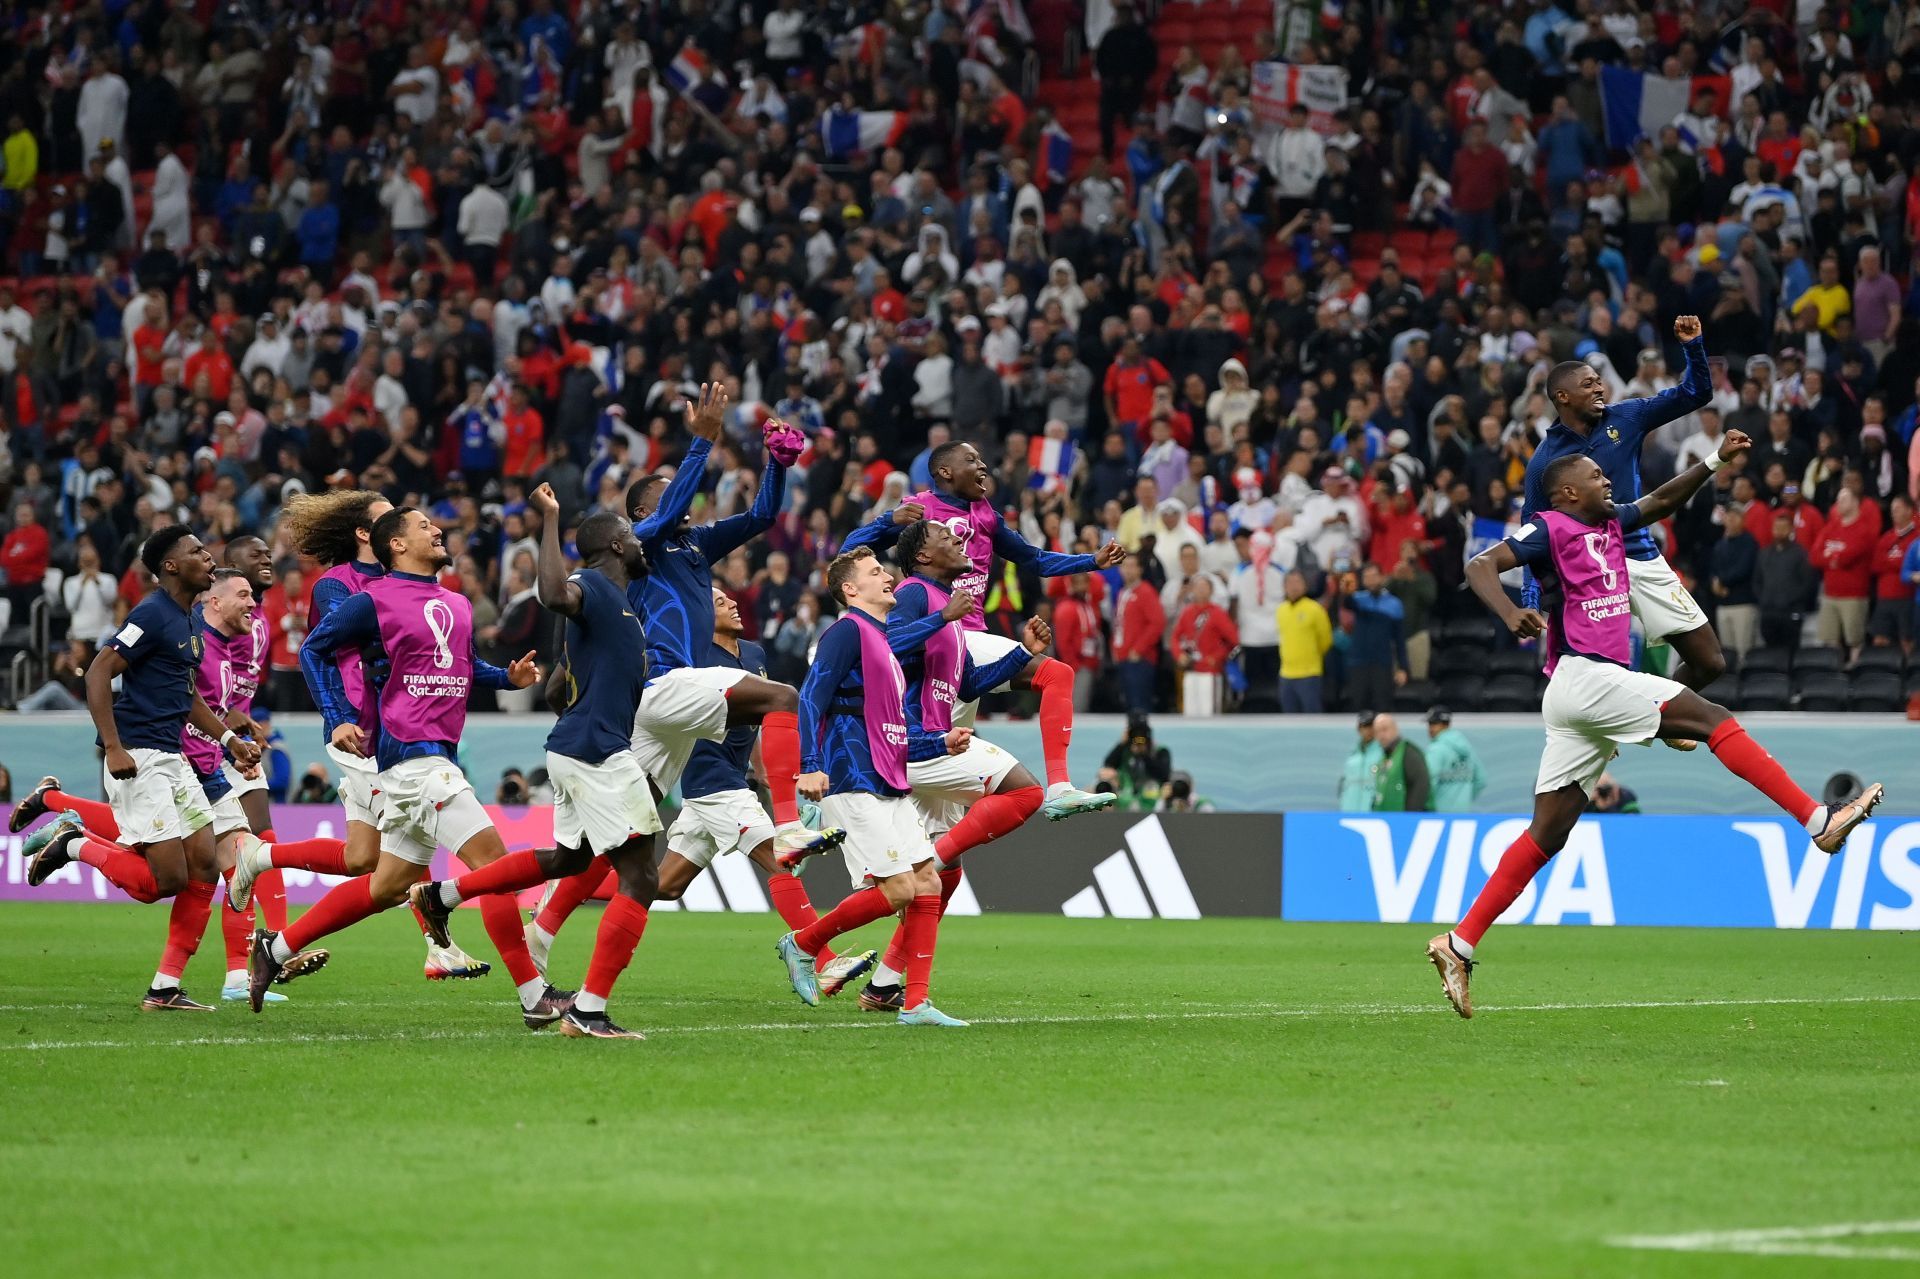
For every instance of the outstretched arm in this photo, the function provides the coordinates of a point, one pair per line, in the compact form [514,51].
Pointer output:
[556,590]
[882,531]
[1696,382]
[1674,494]
[1009,545]
[677,500]
[729,535]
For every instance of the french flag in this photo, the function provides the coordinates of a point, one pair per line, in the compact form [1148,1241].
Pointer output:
[1639,105]
[688,69]
[847,132]
[1051,464]
[1056,156]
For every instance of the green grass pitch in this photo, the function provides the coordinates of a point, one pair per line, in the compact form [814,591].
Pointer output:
[1154,1098]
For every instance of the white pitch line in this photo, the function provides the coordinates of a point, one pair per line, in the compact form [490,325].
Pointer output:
[1786,1241]
[1247,1013]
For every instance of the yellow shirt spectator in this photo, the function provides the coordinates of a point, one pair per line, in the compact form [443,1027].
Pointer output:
[22,156]
[1306,634]
[1829,297]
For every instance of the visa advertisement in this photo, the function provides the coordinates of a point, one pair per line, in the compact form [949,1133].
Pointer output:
[1699,872]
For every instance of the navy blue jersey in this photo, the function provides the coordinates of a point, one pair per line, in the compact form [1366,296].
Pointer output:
[718,766]
[910,625]
[1615,442]
[675,598]
[605,669]
[160,642]
[214,784]
[833,728]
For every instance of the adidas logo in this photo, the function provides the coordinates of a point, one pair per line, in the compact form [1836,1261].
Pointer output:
[1122,884]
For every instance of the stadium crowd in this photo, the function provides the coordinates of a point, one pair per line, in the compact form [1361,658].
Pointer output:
[453,251]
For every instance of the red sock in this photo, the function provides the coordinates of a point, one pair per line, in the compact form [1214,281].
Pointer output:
[780,755]
[795,907]
[236,930]
[990,817]
[1518,865]
[620,929]
[861,907]
[186,920]
[569,893]
[96,816]
[501,915]
[270,894]
[510,874]
[1748,760]
[1054,683]
[343,906]
[896,956]
[322,856]
[128,871]
[922,928]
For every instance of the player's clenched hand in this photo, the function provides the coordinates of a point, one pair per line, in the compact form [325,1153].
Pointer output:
[957,739]
[958,605]
[811,786]
[1109,555]
[1038,636]
[1687,327]
[1733,445]
[350,739]
[119,763]
[1527,624]
[909,513]
[524,672]
[544,500]
[246,752]
[707,417]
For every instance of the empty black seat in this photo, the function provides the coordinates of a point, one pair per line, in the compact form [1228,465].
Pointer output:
[1513,661]
[1766,659]
[1764,691]
[1875,691]
[1889,658]
[1821,691]
[1512,693]
[1459,660]
[1415,695]
[1818,659]
[1463,693]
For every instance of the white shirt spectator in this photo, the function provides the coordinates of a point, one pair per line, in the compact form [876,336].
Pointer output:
[266,353]
[782,31]
[406,207]
[1299,161]
[557,296]
[16,336]
[934,378]
[420,94]
[102,113]
[1697,447]
[389,398]
[1330,538]
[1256,596]
[172,203]
[483,217]
[90,598]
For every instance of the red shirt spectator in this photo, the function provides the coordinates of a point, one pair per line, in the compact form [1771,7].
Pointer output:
[1204,637]
[1845,558]
[1807,526]
[286,608]
[212,360]
[1479,174]
[24,553]
[1890,552]
[1396,522]
[889,304]
[149,353]
[1076,627]
[1130,383]
[1139,622]
[525,449]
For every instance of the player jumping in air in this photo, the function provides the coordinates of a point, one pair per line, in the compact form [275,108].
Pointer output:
[157,802]
[602,805]
[1594,702]
[857,745]
[426,633]
[686,702]
[719,814]
[334,529]
[959,501]
[1611,434]
[982,793]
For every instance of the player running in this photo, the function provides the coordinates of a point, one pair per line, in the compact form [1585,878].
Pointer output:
[426,633]
[686,702]
[156,801]
[959,501]
[719,814]
[974,797]
[335,530]
[857,745]
[1594,702]
[602,805]
[1611,434]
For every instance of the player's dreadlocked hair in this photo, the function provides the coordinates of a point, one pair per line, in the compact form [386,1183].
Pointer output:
[913,539]
[322,525]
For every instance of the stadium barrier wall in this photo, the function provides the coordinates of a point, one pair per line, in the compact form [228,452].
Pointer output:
[1703,872]
[1248,764]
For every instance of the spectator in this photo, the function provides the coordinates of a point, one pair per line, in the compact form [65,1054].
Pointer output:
[1078,639]
[1892,619]
[285,610]
[1306,636]
[1736,557]
[24,555]
[1784,584]
[1417,590]
[1400,779]
[1609,796]
[1377,643]
[1845,561]
[1357,776]
[90,596]
[1452,766]
[1203,639]
[1139,622]
[1135,769]
[1478,179]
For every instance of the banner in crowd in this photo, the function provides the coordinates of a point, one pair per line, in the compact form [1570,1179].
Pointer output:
[1277,86]
[1639,104]
[1701,872]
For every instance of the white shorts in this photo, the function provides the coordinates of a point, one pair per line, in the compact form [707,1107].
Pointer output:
[600,806]
[985,648]
[428,804]
[884,835]
[944,787]
[710,826]
[228,816]
[359,787]
[1591,708]
[161,801]
[243,785]
[1659,601]
[682,707]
